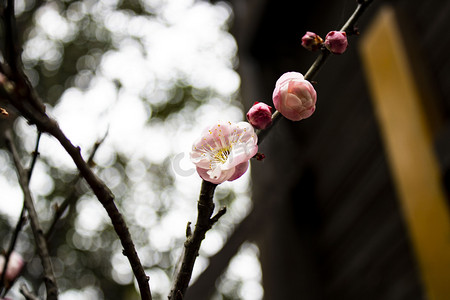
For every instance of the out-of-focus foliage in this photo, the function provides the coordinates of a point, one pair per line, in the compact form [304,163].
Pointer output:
[73,53]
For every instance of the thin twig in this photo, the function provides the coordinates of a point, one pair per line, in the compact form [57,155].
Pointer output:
[106,198]
[350,28]
[41,244]
[318,63]
[35,155]
[103,193]
[193,242]
[24,98]
[20,221]
[72,197]
[27,294]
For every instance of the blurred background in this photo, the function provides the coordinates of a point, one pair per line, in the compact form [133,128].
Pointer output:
[320,218]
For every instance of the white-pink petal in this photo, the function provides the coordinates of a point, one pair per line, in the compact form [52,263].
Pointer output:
[221,148]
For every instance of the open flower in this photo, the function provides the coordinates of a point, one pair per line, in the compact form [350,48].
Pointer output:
[223,151]
[294,97]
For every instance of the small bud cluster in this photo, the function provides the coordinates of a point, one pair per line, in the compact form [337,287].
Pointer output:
[335,41]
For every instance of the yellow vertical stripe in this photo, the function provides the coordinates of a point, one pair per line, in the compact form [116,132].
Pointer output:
[409,143]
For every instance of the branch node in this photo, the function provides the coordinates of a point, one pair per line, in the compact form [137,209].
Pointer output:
[188,230]
[219,214]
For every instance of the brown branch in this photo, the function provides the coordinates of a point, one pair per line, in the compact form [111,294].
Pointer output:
[41,244]
[35,155]
[203,287]
[72,197]
[16,88]
[193,242]
[27,294]
[106,198]
[11,40]
[45,124]
[350,28]
[20,221]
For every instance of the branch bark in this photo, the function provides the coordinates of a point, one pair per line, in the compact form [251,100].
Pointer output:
[193,242]
[41,244]
[204,286]
[27,294]
[16,88]
[73,196]
[20,222]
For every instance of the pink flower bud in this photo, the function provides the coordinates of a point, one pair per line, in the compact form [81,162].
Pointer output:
[294,97]
[336,42]
[311,41]
[15,265]
[260,115]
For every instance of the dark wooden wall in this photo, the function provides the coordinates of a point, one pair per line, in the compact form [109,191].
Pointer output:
[337,230]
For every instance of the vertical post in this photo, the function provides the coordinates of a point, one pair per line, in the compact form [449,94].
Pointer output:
[402,114]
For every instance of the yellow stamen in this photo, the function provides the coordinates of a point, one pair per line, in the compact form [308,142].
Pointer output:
[222,154]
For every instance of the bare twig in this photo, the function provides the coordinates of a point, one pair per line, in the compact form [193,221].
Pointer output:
[35,155]
[103,193]
[193,242]
[41,244]
[20,221]
[27,294]
[350,28]
[219,214]
[19,92]
[71,198]
[106,197]
[318,63]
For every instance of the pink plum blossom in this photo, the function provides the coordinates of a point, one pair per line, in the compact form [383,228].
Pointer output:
[294,97]
[311,41]
[260,115]
[336,42]
[15,265]
[223,151]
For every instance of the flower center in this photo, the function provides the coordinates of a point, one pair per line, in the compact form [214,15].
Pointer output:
[222,154]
